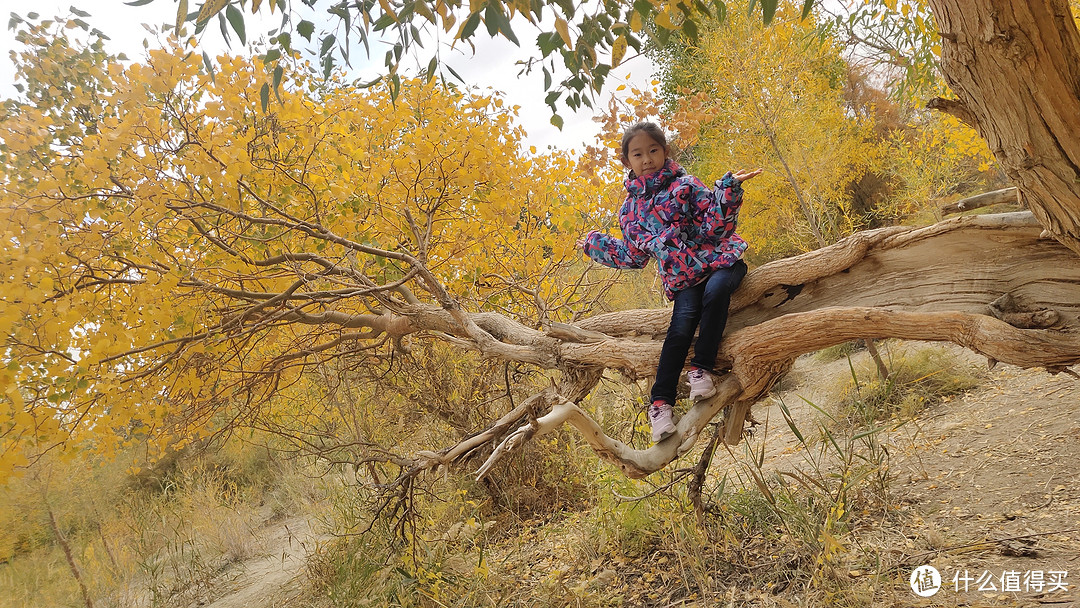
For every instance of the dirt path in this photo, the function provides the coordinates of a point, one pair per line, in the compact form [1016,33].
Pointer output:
[1002,463]
[275,577]
[989,482]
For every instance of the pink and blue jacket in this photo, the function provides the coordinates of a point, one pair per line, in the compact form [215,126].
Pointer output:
[673,217]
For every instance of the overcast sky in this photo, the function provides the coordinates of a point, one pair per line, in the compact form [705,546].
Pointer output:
[491,67]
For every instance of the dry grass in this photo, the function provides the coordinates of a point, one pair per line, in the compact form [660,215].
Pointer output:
[918,377]
[146,540]
[553,527]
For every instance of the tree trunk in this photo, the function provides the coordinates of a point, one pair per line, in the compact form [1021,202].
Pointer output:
[807,208]
[70,556]
[1015,68]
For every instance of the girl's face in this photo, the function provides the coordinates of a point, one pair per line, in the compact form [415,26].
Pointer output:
[644,155]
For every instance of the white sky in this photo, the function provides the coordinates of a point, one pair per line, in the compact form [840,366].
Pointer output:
[492,67]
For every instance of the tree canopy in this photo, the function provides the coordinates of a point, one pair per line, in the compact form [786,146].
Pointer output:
[176,249]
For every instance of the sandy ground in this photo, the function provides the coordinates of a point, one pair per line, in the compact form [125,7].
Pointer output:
[987,483]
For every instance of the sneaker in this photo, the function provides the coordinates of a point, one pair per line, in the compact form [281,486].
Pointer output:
[660,421]
[701,384]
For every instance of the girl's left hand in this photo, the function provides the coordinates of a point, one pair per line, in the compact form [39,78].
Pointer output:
[743,174]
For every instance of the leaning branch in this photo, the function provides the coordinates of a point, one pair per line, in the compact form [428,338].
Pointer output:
[996,197]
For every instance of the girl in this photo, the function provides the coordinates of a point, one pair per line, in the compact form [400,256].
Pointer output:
[690,230]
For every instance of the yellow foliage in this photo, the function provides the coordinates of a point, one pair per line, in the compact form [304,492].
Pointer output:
[772,97]
[934,157]
[169,249]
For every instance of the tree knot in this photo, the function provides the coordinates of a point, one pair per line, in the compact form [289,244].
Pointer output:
[1007,309]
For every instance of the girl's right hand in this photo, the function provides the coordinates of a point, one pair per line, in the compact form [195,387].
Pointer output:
[580,243]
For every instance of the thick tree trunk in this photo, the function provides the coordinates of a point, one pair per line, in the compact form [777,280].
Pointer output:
[1015,68]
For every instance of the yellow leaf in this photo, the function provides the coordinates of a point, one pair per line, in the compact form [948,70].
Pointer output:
[618,50]
[181,14]
[564,31]
[255,4]
[663,19]
[385,4]
[213,7]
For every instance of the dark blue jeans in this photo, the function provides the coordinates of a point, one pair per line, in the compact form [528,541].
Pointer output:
[704,307]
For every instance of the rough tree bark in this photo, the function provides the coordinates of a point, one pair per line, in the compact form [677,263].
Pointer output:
[1015,68]
[990,283]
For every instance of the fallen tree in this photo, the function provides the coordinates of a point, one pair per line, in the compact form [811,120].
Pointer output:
[945,282]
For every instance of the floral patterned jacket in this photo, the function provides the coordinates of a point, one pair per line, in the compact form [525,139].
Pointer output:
[673,217]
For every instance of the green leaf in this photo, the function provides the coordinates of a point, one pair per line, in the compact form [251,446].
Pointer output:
[139,2]
[264,96]
[491,18]
[768,9]
[236,20]
[271,56]
[305,29]
[431,67]
[470,25]
[395,87]
[557,121]
[327,65]
[76,11]
[791,421]
[209,65]
[278,72]
[690,29]
[224,27]
[504,26]
[327,43]
[454,73]
[807,6]
[383,23]
[548,42]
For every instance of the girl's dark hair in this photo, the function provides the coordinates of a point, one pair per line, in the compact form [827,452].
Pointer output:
[648,128]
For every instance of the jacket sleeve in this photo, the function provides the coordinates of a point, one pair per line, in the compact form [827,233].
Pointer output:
[679,211]
[719,218]
[616,253]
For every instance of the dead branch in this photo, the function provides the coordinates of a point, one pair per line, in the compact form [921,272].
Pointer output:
[996,197]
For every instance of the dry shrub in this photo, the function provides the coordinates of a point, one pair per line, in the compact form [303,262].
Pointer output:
[918,378]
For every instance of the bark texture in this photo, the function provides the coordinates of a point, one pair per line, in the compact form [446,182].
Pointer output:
[1015,68]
